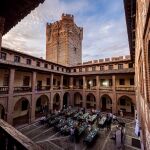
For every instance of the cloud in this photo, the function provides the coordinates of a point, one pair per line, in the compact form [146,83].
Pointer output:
[104,28]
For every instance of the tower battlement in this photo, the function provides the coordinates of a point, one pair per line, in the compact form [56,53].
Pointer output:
[64,41]
[67,17]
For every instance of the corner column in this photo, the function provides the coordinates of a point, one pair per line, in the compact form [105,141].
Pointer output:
[10,97]
[33,100]
[2,22]
[114,101]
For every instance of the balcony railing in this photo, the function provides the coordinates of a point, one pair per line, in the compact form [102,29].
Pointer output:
[125,88]
[22,89]
[3,90]
[56,87]
[78,87]
[65,87]
[42,88]
[105,88]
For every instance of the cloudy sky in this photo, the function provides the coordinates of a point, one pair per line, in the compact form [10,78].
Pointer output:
[103,22]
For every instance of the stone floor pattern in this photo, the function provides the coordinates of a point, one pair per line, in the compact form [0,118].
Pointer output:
[51,140]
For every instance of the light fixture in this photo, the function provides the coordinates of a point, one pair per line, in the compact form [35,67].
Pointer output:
[105,83]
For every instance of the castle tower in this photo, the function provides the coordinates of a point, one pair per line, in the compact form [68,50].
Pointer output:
[64,41]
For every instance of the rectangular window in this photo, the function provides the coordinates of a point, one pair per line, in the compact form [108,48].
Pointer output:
[101,68]
[6,80]
[62,69]
[38,64]
[16,59]
[132,81]
[110,67]
[121,81]
[58,68]
[110,82]
[130,65]
[26,81]
[46,65]
[120,66]
[48,81]
[86,69]
[52,67]
[94,82]
[74,70]
[54,81]
[3,56]
[93,68]
[74,81]
[28,61]
[80,69]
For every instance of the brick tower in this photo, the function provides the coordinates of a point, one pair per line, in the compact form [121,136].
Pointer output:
[64,41]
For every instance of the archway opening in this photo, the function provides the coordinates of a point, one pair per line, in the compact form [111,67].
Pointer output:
[77,100]
[66,99]
[2,112]
[106,103]
[41,106]
[56,102]
[90,101]
[21,112]
[126,105]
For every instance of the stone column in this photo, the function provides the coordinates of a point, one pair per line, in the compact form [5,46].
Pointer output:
[52,78]
[97,92]
[61,82]
[114,100]
[2,21]
[33,104]
[71,83]
[84,93]
[10,108]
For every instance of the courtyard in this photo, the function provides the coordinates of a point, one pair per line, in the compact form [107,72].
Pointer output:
[49,139]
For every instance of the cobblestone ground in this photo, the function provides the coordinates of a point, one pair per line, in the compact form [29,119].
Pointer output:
[50,140]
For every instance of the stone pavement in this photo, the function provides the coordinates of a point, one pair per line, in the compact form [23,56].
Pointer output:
[51,140]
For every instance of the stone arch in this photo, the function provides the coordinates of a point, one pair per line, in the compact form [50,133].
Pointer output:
[126,104]
[106,103]
[56,102]
[78,100]
[90,101]
[66,99]
[21,111]
[2,112]
[41,106]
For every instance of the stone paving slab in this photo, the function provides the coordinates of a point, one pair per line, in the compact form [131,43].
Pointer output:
[49,139]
